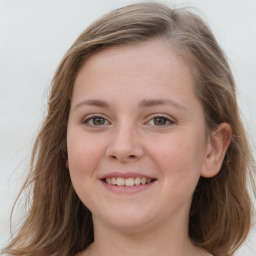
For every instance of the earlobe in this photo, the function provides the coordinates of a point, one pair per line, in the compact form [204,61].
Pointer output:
[217,146]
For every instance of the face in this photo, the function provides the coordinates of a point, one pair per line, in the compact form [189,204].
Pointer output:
[136,136]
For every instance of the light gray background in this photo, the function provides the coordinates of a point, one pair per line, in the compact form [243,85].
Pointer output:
[34,36]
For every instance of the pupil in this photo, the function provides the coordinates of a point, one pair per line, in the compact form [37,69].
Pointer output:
[98,121]
[160,121]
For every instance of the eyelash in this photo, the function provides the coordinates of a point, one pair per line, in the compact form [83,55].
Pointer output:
[94,117]
[168,121]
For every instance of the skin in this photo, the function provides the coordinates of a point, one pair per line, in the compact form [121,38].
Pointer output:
[149,122]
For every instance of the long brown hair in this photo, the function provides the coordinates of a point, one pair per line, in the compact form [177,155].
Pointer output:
[57,222]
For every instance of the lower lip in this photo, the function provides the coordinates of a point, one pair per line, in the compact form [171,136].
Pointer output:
[127,189]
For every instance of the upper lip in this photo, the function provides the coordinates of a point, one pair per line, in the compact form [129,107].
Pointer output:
[126,175]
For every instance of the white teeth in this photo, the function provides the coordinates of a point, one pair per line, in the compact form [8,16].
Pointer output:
[120,181]
[113,181]
[129,182]
[137,181]
[143,181]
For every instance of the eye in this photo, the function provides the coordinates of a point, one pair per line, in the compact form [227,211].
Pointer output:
[96,121]
[160,121]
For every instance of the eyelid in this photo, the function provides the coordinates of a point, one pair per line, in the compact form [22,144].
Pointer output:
[171,120]
[86,119]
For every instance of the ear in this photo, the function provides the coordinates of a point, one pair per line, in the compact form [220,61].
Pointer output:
[67,164]
[217,145]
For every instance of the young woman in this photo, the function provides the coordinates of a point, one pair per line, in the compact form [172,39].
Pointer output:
[143,151]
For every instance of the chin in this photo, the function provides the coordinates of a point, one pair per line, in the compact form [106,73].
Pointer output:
[129,220]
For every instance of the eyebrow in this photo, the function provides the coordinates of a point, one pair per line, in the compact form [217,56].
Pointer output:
[144,103]
[95,103]
[158,102]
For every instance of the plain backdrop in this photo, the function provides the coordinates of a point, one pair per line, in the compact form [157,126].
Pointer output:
[34,35]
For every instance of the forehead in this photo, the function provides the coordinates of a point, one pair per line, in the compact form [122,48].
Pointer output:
[147,67]
[156,48]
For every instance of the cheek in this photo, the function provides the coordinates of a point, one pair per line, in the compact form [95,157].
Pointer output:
[83,155]
[180,159]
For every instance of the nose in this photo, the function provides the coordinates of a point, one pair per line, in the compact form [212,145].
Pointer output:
[125,145]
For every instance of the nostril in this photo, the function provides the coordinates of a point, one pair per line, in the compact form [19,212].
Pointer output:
[131,156]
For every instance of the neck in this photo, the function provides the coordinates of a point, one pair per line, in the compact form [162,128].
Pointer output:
[165,240]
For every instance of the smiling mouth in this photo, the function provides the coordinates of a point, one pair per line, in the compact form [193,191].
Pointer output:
[128,182]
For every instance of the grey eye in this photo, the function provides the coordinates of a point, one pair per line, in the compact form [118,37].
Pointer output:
[95,121]
[98,121]
[160,121]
